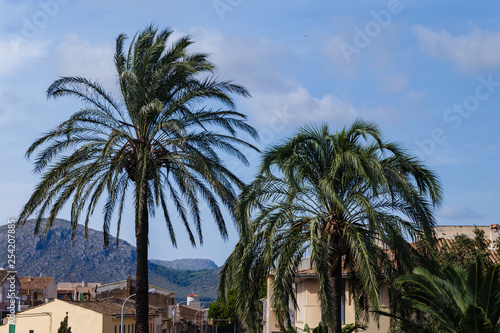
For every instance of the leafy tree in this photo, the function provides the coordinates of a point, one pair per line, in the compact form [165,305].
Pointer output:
[458,299]
[223,309]
[64,328]
[340,195]
[464,250]
[156,140]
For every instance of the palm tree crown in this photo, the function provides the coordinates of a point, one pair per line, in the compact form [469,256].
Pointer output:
[158,139]
[339,195]
[456,299]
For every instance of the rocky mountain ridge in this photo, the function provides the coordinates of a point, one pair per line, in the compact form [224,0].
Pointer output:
[88,260]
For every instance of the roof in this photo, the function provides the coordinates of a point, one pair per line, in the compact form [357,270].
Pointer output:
[107,306]
[193,295]
[110,306]
[123,283]
[3,275]
[187,307]
[442,242]
[35,283]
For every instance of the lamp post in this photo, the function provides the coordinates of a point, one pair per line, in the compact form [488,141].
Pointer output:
[202,310]
[152,290]
[173,314]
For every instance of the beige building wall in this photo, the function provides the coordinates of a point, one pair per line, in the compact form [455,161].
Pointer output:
[112,324]
[309,309]
[47,318]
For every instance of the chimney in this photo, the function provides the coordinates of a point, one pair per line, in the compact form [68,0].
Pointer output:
[128,290]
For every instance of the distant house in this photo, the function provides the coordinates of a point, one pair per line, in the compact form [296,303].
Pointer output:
[77,291]
[36,290]
[187,317]
[94,316]
[161,298]
[193,301]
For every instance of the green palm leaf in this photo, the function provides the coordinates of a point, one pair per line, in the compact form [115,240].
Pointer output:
[157,138]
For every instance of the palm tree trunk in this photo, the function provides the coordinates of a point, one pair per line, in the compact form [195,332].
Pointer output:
[337,297]
[141,275]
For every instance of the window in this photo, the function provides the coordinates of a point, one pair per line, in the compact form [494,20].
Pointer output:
[32,331]
[128,328]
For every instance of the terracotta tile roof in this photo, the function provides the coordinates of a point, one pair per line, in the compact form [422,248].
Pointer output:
[35,283]
[193,295]
[106,306]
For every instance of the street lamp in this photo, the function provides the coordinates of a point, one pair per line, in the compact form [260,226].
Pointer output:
[152,290]
[173,314]
[202,310]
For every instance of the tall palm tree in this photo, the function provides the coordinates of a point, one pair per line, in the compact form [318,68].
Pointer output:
[157,140]
[339,195]
[457,299]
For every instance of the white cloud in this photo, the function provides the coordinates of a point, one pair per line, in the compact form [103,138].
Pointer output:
[76,57]
[17,51]
[250,61]
[279,101]
[297,107]
[473,52]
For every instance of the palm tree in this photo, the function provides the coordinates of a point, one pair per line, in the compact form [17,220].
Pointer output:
[457,299]
[339,196]
[157,139]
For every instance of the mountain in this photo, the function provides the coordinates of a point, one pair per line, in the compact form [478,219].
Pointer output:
[54,255]
[186,264]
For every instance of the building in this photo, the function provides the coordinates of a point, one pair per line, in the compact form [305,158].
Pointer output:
[77,291]
[193,301]
[450,231]
[83,317]
[36,290]
[308,309]
[189,316]
[161,298]
[306,288]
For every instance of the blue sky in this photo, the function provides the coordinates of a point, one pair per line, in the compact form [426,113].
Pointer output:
[427,72]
